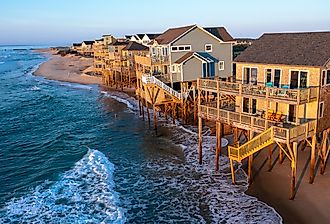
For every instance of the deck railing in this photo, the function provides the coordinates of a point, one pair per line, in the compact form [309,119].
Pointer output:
[295,96]
[257,123]
[147,79]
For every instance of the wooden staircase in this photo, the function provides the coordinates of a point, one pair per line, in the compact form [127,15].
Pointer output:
[257,143]
[153,80]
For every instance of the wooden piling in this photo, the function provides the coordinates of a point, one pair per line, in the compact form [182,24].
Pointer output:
[200,140]
[232,172]
[218,144]
[270,152]
[155,118]
[293,170]
[312,162]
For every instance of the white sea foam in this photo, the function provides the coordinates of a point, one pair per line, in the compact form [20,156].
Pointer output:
[222,201]
[35,88]
[122,98]
[2,62]
[83,194]
[75,85]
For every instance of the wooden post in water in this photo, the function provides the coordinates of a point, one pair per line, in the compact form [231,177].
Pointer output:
[155,118]
[140,110]
[232,172]
[173,112]
[148,113]
[293,170]
[200,140]
[218,144]
[312,162]
[323,151]
[250,136]
[281,156]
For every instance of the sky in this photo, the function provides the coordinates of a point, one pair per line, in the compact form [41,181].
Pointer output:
[61,22]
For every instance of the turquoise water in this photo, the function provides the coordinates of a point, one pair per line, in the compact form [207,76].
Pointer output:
[72,153]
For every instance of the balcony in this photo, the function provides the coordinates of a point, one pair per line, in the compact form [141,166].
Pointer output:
[286,95]
[282,131]
[160,59]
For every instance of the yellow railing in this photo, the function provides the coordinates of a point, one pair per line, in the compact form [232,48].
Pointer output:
[254,145]
[296,96]
[257,123]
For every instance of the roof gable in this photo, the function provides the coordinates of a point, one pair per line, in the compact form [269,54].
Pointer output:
[220,32]
[203,56]
[172,34]
[308,49]
[134,46]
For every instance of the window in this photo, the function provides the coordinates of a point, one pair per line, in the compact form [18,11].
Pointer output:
[179,68]
[250,75]
[246,105]
[174,48]
[298,79]
[181,48]
[277,78]
[221,65]
[268,76]
[321,110]
[173,68]
[323,80]
[208,47]
[328,76]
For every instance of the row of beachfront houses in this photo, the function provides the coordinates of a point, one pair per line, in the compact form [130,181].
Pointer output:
[275,93]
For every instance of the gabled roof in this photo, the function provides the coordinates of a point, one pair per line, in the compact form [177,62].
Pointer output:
[171,34]
[309,49]
[152,35]
[100,39]
[140,36]
[76,44]
[128,36]
[133,46]
[204,56]
[220,32]
[120,43]
[88,42]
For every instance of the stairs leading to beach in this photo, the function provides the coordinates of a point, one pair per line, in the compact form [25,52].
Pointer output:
[153,80]
[257,143]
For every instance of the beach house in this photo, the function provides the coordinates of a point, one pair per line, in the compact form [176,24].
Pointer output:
[87,48]
[278,96]
[166,78]
[101,53]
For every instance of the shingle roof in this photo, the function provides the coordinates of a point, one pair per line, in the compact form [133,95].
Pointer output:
[171,34]
[76,44]
[153,35]
[120,43]
[133,46]
[309,49]
[201,55]
[88,42]
[220,32]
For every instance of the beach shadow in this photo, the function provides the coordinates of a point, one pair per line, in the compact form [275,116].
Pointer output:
[301,176]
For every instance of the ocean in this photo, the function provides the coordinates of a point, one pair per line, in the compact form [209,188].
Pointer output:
[72,153]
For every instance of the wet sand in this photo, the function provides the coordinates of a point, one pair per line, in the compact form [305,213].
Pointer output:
[312,201]
[69,68]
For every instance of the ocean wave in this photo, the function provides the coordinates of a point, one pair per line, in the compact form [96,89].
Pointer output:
[83,194]
[2,62]
[221,201]
[75,86]
[122,98]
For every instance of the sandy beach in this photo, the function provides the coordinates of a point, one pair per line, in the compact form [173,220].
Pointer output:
[69,68]
[311,204]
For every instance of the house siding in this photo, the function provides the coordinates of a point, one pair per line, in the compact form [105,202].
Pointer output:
[197,38]
[191,69]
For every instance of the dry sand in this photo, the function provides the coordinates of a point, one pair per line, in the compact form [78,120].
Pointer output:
[312,201]
[69,68]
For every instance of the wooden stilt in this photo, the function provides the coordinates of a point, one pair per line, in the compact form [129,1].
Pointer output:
[323,151]
[173,112]
[200,140]
[270,148]
[148,113]
[218,145]
[140,111]
[235,135]
[250,168]
[232,171]
[142,108]
[155,118]
[293,171]
[312,162]
[281,157]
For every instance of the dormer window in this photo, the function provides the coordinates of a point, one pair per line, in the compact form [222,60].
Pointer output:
[208,47]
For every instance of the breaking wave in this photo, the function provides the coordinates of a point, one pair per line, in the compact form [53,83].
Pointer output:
[84,194]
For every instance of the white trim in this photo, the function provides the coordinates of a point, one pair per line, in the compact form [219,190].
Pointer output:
[250,105]
[250,74]
[184,48]
[223,65]
[173,68]
[177,38]
[321,112]
[208,45]
[298,70]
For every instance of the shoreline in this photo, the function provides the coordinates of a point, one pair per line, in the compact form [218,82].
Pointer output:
[271,188]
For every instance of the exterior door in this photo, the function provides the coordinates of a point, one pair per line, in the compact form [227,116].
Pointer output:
[292,113]
[294,79]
